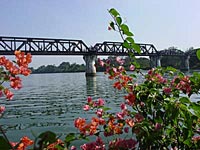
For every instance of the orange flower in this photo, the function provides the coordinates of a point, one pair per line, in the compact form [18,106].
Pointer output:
[25,71]
[79,122]
[8,93]
[130,99]
[15,83]
[130,122]
[25,141]
[22,59]
[53,145]
[117,85]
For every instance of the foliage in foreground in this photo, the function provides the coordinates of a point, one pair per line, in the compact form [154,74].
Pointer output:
[155,114]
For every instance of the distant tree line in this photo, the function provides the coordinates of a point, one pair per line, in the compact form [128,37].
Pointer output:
[144,63]
[64,67]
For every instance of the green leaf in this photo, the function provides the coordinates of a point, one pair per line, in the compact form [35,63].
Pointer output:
[48,137]
[106,108]
[188,142]
[185,100]
[133,76]
[70,137]
[128,33]
[198,53]
[113,12]
[196,108]
[112,25]
[119,20]
[131,40]
[4,145]
[136,48]
[124,28]
[126,44]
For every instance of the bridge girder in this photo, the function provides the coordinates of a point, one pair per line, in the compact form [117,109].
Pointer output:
[170,52]
[48,46]
[42,46]
[191,52]
[117,48]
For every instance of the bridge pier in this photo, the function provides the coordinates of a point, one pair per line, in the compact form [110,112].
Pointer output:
[158,61]
[185,63]
[155,61]
[90,65]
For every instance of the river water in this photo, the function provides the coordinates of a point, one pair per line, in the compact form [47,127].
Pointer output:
[53,101]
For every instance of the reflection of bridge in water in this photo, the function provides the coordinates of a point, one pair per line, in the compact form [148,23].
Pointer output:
[47,46]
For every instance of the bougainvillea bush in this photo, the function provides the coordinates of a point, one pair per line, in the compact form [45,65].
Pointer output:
[156,114]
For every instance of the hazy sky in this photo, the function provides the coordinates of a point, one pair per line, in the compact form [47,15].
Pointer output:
[164,23]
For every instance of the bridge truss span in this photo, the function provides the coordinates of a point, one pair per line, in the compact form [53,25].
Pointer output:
[42,46]
[117,48]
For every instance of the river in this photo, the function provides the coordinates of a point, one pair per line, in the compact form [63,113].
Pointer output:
[53,101]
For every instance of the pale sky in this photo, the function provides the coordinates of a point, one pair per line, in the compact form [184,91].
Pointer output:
[164,23]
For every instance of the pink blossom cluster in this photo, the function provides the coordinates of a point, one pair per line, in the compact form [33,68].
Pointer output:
[97,145]
[182,83]
[119,144]
[156,77]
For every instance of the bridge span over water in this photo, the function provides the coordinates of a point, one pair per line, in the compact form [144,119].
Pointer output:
[48,46]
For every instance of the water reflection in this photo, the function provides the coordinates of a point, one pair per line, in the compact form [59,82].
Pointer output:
[91,86]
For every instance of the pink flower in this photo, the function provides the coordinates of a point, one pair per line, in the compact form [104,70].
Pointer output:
[158,126]
[119,60]
[132,67]
[120,68]
[100,102]
[123,106]
[119,144]
[1,93]
[97,145]
[86,107]
[73,148]
[139,117]
[196,138]
[2,109]
[101,63]
[120,115]
[114,70]
[167,90]
[89,100]
[126,129]
[99,112]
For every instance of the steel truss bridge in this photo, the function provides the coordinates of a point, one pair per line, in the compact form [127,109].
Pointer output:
[48,46]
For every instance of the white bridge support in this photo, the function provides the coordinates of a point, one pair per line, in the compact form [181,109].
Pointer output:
[158,61]
[155,61]
[90,65]
[187,63]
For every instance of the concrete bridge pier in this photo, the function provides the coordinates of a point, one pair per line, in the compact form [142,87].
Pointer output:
[158,61]
[185,63]
[90,65]
[155,61]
